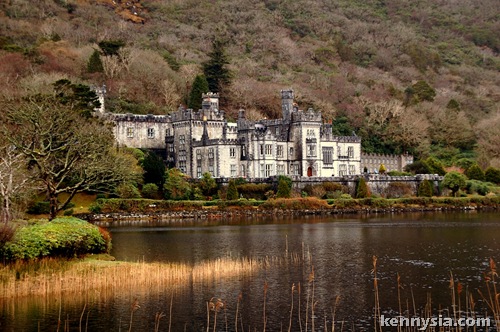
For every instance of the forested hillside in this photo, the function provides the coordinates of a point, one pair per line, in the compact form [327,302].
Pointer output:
[417,76]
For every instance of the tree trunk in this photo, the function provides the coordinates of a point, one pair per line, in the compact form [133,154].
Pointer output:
[54,204]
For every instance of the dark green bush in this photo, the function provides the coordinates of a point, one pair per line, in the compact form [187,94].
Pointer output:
[477,187]
[62,237]
[68,212]
[474,172]
[232,191]
[39,208]
[284,189]
[150,190]
[492,175]
[425,189]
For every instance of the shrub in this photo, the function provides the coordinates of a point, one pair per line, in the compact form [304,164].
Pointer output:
[7,231]
[474,172]
[454,181]
[284,187]
[127,190]
[464,163]
[425,189]
[335,186]
[418,167]
[39,208]
[207,184]
[176,186]
[68,212]
[150,190]
[382,169]
[435,166]
[62,237]
[492,175]
[295,203]
[362,189]
[232,191]
[252,190]
[318,191]
[477,187]
[398,189]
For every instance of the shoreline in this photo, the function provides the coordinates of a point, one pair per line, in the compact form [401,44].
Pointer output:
[359,206]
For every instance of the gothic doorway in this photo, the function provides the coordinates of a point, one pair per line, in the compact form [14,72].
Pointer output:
[309,172]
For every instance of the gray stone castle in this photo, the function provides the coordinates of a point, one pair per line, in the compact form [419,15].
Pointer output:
[299,144]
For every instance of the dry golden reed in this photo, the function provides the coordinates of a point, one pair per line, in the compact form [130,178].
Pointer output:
[105,276]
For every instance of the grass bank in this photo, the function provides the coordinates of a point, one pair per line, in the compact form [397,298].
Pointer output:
[146,206]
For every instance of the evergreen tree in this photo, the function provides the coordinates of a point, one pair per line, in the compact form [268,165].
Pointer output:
[176,187]
[78,96]
[454,181]
[150,190]
[474,172]
[435,166]
[418,167]
[111,47]
[215,69]
[200,86]
[154,169]
[362,189]
[95,64]
[284,187]
[207,184]
[425,189]
[232,191]
[492,175]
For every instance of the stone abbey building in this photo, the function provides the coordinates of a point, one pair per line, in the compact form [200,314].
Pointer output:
[298,144]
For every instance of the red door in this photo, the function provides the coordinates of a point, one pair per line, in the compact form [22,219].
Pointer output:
[310,172]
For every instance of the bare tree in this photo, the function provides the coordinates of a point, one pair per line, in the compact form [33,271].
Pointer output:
[68,152]
[14,179]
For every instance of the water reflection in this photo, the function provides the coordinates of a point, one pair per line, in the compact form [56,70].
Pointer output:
[423,248]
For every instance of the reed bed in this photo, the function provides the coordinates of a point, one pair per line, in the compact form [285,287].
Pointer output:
[52,278]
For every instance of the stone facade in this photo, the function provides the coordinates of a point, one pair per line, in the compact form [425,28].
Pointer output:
[299,144]
[372,161]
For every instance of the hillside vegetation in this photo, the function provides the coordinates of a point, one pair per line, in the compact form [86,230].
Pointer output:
[417,76]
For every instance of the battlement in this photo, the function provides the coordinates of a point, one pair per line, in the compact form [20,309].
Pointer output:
[346,139]
[138,118]
[215,141]
[183,114]
[306,116]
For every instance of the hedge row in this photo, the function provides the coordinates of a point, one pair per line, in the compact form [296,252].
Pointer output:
[61,237]
[416,201]
[116,205]
[141,205]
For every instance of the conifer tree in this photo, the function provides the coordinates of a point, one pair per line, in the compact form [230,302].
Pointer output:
[200,86]
[474,172]
[95,64]
[284,187]
[215,69]
[362,189]
[232,191]
[425,189]
[492,175]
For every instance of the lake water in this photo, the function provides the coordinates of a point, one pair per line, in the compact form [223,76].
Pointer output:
[422,248]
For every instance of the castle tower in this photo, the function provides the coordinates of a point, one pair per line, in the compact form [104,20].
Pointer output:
[287,104]
[210,100]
